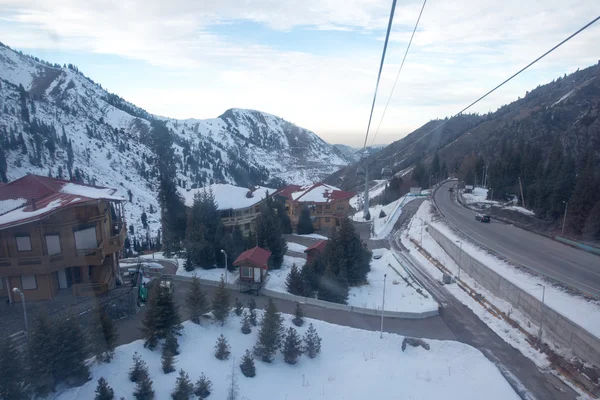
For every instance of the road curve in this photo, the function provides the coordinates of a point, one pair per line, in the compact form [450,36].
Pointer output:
[555,260]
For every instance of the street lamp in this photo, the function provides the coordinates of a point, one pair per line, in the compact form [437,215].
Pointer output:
[223,251]
[460,258]
[562,232]
[17,290]
[382,305]
[542,317]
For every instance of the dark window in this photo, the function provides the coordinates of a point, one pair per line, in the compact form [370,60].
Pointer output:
[327,219]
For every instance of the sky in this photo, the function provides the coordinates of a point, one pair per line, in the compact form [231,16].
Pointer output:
[311,62]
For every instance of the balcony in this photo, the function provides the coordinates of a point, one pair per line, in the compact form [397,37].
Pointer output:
[115,243]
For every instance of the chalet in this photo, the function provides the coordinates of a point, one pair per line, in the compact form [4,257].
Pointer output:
[253,265]
[328,205]
[58,236]
[315,250]
[237,205]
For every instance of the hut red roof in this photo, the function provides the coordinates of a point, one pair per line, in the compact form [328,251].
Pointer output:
[319,246]
[256,256]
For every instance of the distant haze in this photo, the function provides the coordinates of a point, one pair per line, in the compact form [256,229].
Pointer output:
[312,62]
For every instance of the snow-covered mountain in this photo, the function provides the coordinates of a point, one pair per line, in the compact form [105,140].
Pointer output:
[355,154]
[50,114]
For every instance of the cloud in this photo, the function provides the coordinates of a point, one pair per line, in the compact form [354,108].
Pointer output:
[461,50]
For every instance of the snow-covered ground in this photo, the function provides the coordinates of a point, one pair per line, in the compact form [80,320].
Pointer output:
[353,364]
[277,277]
[382,227]
[296,247]
[399,296]
[585,313]
[479,196]
[357,201]
[311,236]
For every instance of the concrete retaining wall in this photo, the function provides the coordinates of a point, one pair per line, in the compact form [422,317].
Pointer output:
[559,328]
[321,303]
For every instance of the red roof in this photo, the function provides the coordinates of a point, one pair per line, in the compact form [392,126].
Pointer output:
[33,197]
[340,195]
[287,191]
[319,246]
[257,256]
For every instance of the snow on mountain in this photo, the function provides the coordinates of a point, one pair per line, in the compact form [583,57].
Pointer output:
[44,107]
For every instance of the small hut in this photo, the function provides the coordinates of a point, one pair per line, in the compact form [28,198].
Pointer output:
[253,265]
[315,250]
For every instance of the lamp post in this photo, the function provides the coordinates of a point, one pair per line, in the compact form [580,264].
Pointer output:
[562,232]
[17,290]
[460,257]
[542,317]
[223,251]
[382,305]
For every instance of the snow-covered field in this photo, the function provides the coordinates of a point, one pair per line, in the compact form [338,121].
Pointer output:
[357,201]
[479,196]
[382,227]
[311,236]
[353,364]
[296,247]
[584,313]
[277,277]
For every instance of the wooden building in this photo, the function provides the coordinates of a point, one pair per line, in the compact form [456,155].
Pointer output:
[253,265]
[328,205]
[315,250]
[58,237]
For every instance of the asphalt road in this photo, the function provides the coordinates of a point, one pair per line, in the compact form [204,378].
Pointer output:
[553,259]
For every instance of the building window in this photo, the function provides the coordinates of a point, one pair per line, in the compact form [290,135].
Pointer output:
[327,219]
[247,226]
[85,238]
[247,211]
[23,243]
[53,244]
[238,213]
[339,207]
[246,272]
[28,282]
[327,206]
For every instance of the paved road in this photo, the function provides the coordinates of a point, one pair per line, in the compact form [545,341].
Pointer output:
[541,254]
[523,375]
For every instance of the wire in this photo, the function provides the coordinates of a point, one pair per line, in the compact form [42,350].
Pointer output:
[399,70]
[387,37]
[511,77]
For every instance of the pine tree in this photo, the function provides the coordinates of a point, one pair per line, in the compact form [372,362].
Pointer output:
[333,288]
[188,265]
[247,365]
[382,214]
[298,316]
[139,368]
[270,333]
[312,342]
[144,388]
[12,372]
[171,344]
[294,282]
[292,346]
[184,388]
[167,361]
[222,349]
[305,224]
[203,387]
[311,276]
[591,229]
[161,318]
[196,301]
[233,389]
[239,307]
[246,324]
[42,351]
[252,311]
[71,350]
[220,303]
[103,391]
[106,338]
[268,234]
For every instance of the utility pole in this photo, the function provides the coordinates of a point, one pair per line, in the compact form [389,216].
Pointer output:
[460,258]
[382,305]
[562,233]
[542,316]
[522,196]
[366,196]
[17,290]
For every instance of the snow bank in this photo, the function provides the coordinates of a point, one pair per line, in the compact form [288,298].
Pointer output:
[353,364]
[312,236]
[296,247]
[11,204]
[91,192]
[20,214]
[382,227]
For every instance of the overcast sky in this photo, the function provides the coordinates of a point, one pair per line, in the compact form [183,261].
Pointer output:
[312,62]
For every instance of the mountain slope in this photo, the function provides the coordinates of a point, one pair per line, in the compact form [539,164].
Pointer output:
[55,121]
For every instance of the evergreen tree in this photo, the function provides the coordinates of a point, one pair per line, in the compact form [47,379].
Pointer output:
[246,324]
[188,264]
[238,245]
[196,301]
[292,346]
[298,316]
[71,353]
[284,219]
[333,288]
[203,387]
[238,307]
[3,167]
[12,372]
[591,229]
[252,311]
[106,337]
[184,388]
[247,365]
[311,275]
[220,303]
[144,388]
[233,389]
[42,351]
[167,361]
[161,318]
[139,368]
[294,282]
[268,234]
[144,219]
[222,349]
[270,333]
[305,224]
[435,165]
[312,342]
[585,195]
[171,344]
[103,391]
